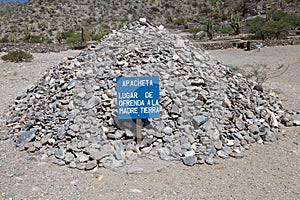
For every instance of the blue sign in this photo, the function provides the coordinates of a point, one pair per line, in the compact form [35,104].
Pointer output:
[138,97]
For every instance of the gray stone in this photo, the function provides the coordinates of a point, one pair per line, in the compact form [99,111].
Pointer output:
[82,144]
[189,153]
[240,125]
[168,130]
[74,127]
[135,170]
[222,154]
[119,154]
[296,122]
[110,162]
[253,129]
[90,165]
[214,134]
[69,157]
[60,154]
[269,137]
[164,154]
[92,102]
[189,160]
[209,160]
[175,109]
[179,87]
[199,120]
[26,136]
[81,157]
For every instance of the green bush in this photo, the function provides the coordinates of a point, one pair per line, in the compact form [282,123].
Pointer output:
[36,39]
[275,26]
[66,35]
[254,26]
[4,40]
[181,21]
[74,38]
[293,20]
[223,29]
[17,56]
[99,35]
[276,29]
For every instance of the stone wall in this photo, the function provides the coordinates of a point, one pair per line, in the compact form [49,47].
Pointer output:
[243,43]
[211,45]
[35,48]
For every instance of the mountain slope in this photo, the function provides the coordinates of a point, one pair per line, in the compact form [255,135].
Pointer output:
[44,18]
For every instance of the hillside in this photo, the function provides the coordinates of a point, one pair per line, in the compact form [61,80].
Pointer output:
[45,19]
[7,6]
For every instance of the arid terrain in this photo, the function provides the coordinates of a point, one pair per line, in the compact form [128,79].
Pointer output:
[268,171]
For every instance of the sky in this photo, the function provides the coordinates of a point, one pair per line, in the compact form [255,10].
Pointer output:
[14,0]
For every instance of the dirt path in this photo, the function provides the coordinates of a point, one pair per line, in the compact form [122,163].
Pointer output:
[267,172]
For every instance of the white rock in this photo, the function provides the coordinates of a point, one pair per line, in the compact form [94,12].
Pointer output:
[161,27]
[143,20]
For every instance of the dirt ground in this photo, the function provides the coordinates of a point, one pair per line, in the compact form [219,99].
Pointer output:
[269,171]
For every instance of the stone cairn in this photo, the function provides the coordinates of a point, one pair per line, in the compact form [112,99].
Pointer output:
[207,111]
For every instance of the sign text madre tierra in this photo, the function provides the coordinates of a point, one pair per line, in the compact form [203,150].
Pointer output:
[138,97]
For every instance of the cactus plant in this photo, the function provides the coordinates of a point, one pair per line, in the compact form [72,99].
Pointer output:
[210,30]
[85,36]
[59,37]
[235,23]
[28,34]
[12,38]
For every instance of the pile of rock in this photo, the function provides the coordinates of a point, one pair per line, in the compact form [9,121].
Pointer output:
[207,112]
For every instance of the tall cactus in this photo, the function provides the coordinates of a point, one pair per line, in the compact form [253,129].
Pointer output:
[210,30]
[235,23]
[83,36]
[28,34]
[59,37]
[12,38]
[269,16]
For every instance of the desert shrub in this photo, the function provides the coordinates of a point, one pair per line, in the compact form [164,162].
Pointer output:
[194,31]
[254,26]
[18,56]
[4,40]
[275,26]
[99,35]
[223,29]
[36,39]
[66,34]
[180,21]
[276,29]
[205,10]
[74,38]
[261,73]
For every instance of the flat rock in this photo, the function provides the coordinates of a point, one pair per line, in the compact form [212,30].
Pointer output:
[189,160]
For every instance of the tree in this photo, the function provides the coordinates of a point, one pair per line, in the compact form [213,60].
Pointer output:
[276,29]
[255,25]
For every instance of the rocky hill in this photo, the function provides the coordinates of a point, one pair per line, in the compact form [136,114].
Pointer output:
[45,19]
[7,6]
[205,111]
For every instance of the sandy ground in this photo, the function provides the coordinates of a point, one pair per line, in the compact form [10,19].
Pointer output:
[266,172]
[287,84]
